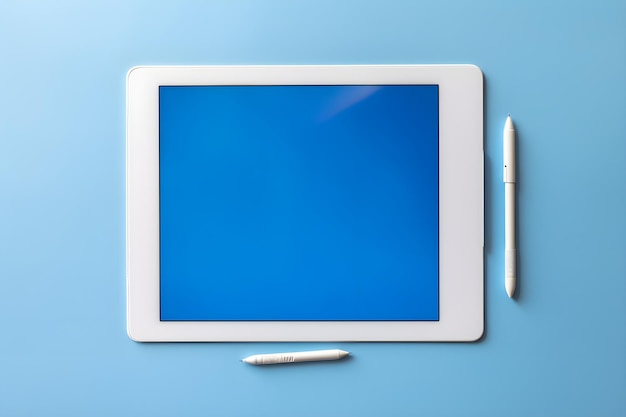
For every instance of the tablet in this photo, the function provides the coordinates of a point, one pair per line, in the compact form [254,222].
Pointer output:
[305,203]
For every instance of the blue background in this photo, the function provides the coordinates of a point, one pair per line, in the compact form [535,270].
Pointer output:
[299,203]
[558,349]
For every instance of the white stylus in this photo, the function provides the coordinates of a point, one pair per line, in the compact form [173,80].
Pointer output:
[509,207]
[314,355]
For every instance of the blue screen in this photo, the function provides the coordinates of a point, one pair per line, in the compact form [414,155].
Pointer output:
[299,202]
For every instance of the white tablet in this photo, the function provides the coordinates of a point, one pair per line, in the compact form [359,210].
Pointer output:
[305,203]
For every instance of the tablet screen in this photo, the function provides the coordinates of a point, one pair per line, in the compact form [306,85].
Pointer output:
[309,202]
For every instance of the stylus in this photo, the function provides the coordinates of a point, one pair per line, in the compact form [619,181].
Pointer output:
[509,207]
[314,355]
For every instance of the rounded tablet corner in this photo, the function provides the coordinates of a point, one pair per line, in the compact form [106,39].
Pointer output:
[477,335]
[133,70]
[475,69]
[133,335]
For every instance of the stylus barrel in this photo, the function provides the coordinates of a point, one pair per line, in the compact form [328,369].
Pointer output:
[289,357]
[510,263]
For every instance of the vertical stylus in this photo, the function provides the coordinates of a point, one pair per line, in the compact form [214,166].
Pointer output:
[509,207]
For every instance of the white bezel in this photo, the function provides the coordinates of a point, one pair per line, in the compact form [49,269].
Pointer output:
[461,223]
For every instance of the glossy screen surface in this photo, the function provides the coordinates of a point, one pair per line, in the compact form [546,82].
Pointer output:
[299,203]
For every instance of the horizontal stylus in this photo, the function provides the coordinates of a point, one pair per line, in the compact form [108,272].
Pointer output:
[314,355]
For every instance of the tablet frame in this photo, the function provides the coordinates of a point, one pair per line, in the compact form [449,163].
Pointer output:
[461,204]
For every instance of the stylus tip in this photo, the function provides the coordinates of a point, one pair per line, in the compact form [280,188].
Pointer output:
[510,290]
